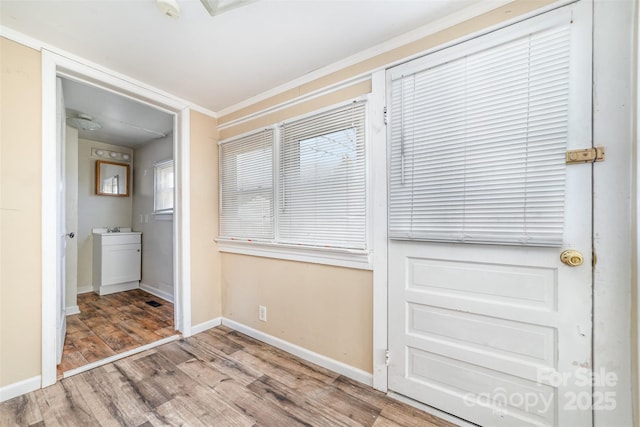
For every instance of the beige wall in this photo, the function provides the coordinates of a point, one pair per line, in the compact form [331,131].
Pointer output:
[20,194]
[205,260]
[328,310]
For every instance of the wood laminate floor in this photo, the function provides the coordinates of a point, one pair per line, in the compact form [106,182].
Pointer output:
[112,324]
[216,378]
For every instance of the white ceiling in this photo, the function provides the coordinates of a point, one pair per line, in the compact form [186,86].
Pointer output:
[217,62]
[124,121]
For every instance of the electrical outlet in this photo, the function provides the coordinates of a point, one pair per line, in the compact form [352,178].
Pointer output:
[262,313]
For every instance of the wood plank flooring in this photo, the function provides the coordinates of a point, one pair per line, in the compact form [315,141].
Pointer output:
[112,324]
[216,378]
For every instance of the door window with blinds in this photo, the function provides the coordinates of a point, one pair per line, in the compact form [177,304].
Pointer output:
[319,196]
[477,145]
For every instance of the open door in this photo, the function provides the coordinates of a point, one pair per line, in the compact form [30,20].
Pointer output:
[490,264]
[61,318]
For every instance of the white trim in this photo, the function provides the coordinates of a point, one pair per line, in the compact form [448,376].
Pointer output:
[119,356]
[431,410]
[182,225]
[308,355]
[84,289]
[74,309]
[157,292]
[209,324]
[49,222]
[52,64]
[635,371]
[378,216]
[360,260]
[18,389]
[99,69]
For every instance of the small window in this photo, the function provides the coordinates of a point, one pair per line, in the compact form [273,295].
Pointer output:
[163,187]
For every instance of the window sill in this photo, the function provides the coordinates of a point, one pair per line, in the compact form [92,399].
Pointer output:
[163,216]
[349,258]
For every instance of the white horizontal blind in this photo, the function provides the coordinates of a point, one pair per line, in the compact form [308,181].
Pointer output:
[163,183]
[322,190]
[477,146]
[246,187]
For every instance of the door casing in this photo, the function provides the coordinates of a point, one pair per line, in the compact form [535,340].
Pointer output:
[54,65]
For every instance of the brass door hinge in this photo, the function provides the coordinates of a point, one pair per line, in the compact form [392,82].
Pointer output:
[587,155]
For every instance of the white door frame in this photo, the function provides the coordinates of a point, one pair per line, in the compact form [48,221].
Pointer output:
[52,66]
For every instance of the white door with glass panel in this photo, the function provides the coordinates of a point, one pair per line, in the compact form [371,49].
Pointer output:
[486,322]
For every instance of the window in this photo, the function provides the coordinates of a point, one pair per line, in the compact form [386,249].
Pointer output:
[246,187]
[322,199]
[163,187]
[319,171]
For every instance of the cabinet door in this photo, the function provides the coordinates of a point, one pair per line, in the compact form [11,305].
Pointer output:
[120,263]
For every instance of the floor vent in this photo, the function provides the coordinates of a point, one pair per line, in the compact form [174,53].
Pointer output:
[153,303]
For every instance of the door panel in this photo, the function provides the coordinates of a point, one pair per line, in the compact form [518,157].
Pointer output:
[61,317]
[497,334]
[471,324]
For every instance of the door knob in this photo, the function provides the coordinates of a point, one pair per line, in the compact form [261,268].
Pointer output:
[71,235]
[572,258]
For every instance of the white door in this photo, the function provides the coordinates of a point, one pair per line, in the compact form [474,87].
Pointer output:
[61,318]
[485,321]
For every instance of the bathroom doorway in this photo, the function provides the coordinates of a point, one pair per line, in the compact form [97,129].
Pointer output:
[109,310]
[55,66]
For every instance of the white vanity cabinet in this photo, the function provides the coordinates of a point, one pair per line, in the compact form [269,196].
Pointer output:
[116,261]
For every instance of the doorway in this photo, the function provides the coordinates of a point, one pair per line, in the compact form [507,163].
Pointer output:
[107,313]
[54,66]
[490,270]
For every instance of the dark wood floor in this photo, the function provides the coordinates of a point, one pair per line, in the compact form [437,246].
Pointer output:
[113,324]
[216,378]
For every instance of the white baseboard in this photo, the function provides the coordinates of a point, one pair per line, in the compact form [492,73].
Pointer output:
[21,387]
[157,292]
[201,327]
[118,287]
[74,309]
[324,361]
[85,289]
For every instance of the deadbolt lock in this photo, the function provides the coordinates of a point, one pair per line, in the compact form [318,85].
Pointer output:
[572,258]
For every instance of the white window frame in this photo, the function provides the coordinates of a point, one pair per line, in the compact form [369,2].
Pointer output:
[159,213]
[341,257]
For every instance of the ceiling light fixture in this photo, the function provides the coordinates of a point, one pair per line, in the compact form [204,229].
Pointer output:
[83,122]
[169,8]
[216,7]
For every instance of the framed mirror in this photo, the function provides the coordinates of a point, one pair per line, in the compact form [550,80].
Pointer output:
[112,179]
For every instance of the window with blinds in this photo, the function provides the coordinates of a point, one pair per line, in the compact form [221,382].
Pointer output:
[163,187]
[477,145]
[246,187]
[322,189]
